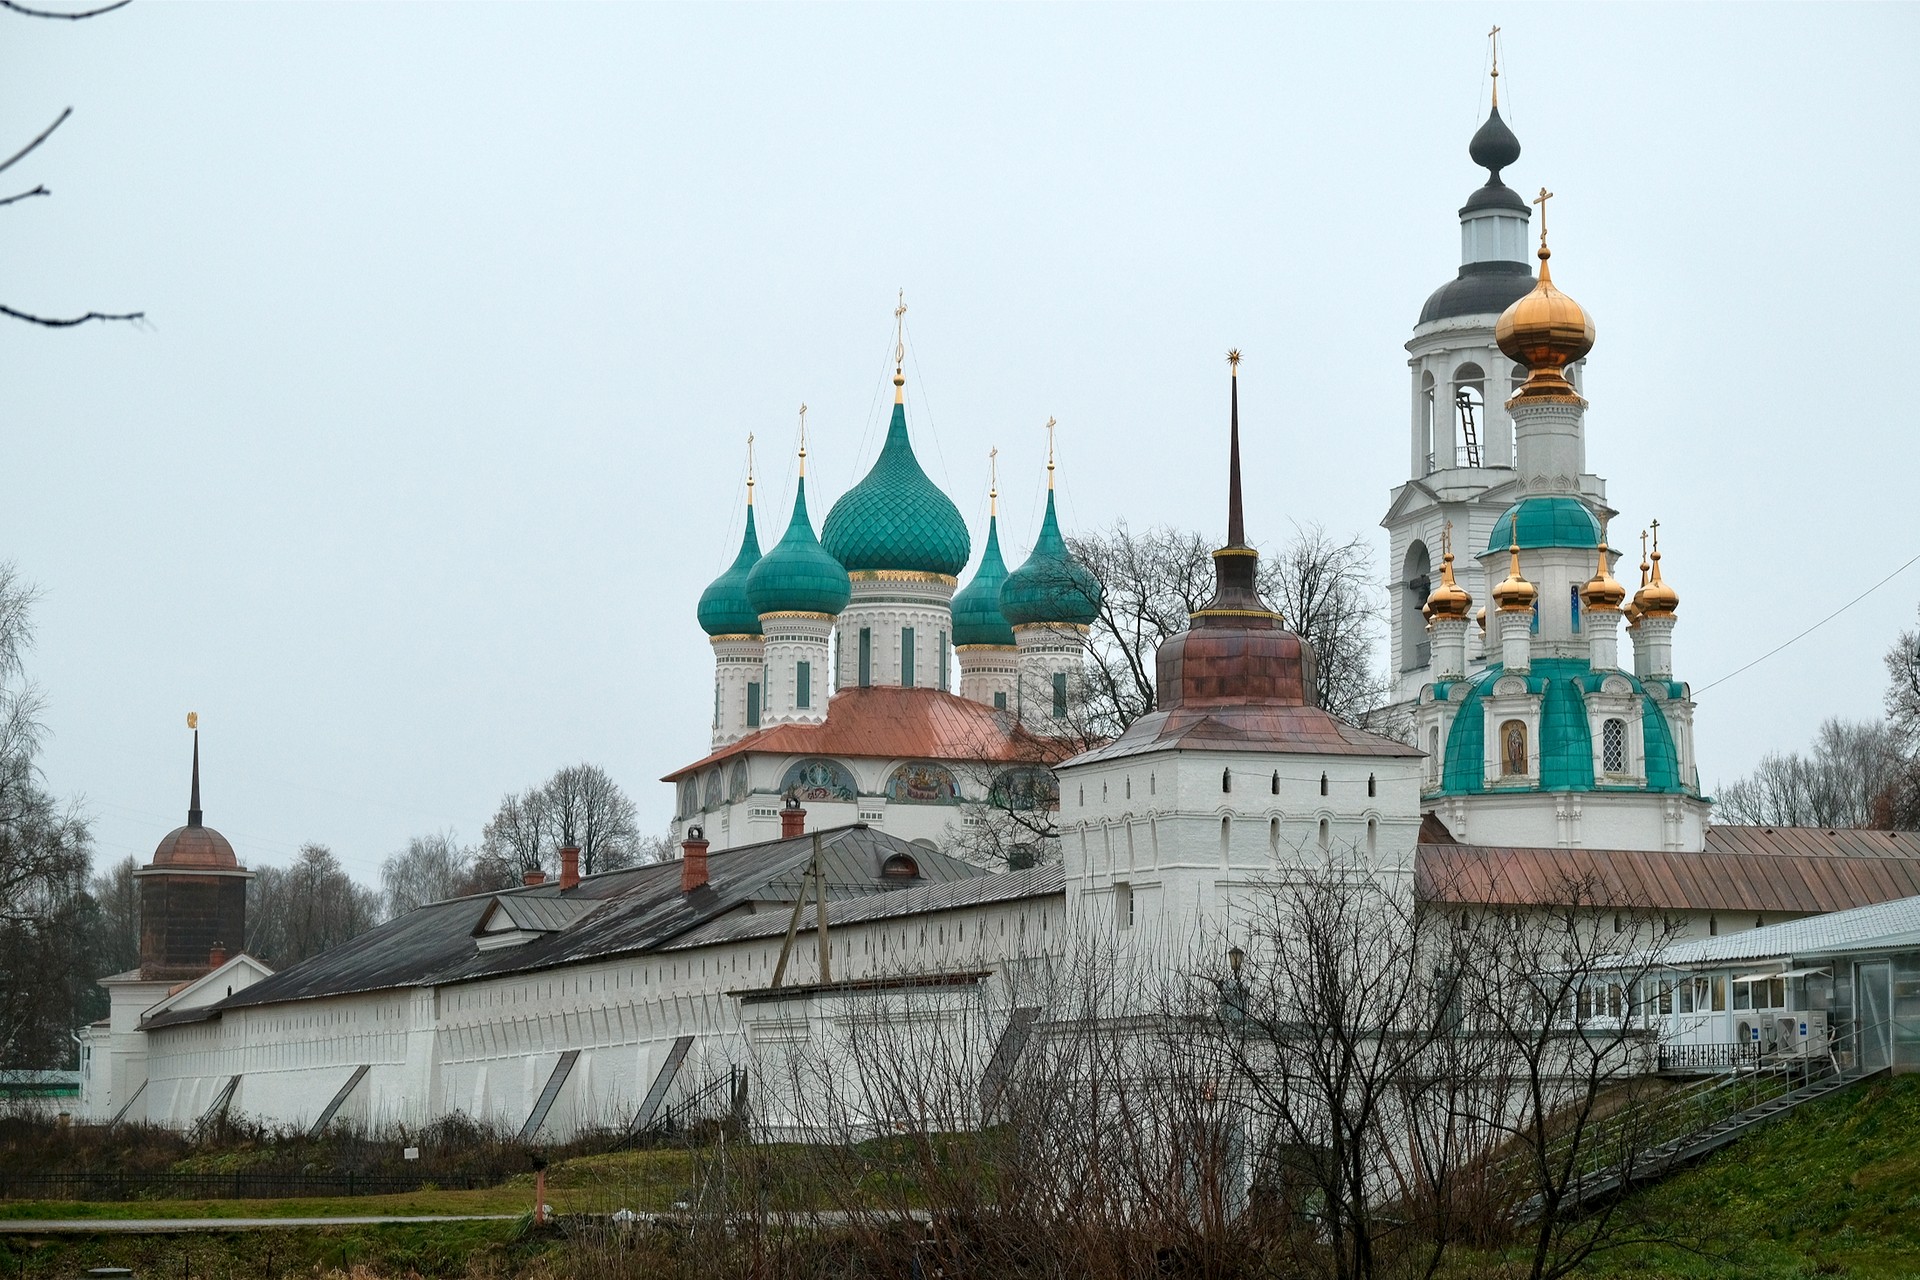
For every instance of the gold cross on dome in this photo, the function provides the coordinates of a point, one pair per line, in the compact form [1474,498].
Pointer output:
[900,331]
[803,439]
[1446,539]
[1541,200]
[749,466]
[1493,38]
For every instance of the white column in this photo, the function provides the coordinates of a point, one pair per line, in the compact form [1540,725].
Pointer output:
[736,665]
[1549,443]
[796,667]
[1449,647]
[1047,650]
[1655,641]
[990,674]
[1603,637]
[1516,640]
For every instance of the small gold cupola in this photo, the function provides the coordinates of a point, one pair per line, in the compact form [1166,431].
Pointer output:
[1602,591]
[1449,599]
[1515,594]
[1656,599]
[1546,330]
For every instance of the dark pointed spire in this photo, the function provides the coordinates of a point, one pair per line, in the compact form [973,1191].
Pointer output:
[1236,566]
[193,802]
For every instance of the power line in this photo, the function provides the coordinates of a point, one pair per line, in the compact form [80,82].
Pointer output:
[1810,630]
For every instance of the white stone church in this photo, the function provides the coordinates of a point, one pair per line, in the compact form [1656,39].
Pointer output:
[866,706]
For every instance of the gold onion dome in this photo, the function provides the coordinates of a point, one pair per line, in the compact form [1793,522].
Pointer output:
[1656,599]
[1449,599]
[1545,330]
[1602,591]
[1515,594]
[1481,618]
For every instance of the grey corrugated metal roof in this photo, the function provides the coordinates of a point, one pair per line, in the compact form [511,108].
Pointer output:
[1891,926]
[543,914]
[641,909]
[1005,886]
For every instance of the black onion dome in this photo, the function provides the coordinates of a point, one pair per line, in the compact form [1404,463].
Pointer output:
[1494,147]
[1481,289]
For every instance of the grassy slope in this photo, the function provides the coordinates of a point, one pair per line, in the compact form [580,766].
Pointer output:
[1831,1190]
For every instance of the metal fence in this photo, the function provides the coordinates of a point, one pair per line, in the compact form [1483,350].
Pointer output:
[111,1185]
[1708,1057]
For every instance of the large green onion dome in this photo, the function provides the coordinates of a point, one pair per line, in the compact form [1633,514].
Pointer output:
[724,607]
[976,607]
[896,518]
[1051,587]
[798,576]
[1546,522]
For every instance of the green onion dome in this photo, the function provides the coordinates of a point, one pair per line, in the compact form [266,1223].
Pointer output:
[1051,587]
[976,607]
[798,576]
[896,518]
[724,607]
[1546,522]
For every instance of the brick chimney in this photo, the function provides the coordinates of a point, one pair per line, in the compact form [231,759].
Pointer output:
[535,876]
[569,866]
[793,819]
[217,956]
[693,860]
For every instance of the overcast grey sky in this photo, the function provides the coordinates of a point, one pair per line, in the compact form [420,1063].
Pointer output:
[461,314]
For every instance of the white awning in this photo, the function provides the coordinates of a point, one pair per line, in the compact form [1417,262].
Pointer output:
[1790,973]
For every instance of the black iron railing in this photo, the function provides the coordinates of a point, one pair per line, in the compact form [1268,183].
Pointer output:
[1708,1057]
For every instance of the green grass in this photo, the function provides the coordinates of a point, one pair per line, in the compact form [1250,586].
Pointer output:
[1832,1189]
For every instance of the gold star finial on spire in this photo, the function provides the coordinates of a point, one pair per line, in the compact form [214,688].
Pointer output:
[1050,426]
[1233,359]
[193,719]
[1493,38]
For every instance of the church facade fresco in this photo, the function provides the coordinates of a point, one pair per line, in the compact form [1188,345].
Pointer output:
[816,781]
[922,782]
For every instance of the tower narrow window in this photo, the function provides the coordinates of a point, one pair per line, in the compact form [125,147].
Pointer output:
[1326,835]
[944,672]
[1323,784]
[866,657]
[1373,839]
[1123,904]
[753,704]
[1226,780]
[999,699]
[1613,746]
[1426,423]
[1059,695]
[1373,787]
[803,685]
[1573,605]
[906,657]
[1276,782]
[1513,749]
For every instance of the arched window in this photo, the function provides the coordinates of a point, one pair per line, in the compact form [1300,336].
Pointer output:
[1273,837]
[900,867]
[1323,784]
[1416,575]
[1226,780]
[1226,838]
[1613,746]
[1433,750]
[1513,748]
[1470,412]
[1372,786]
[1276,782]
[1326,835]
[1373,839]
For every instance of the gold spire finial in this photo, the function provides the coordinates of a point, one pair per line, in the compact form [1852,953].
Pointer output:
[1601,591]
[749,468]
[1657,599]
[1449,599]
[899,348]
[1643,557]
[1233,359]
[1050,426]
[1545,253]
[1516,594]
[1493,38]
[193,719]
[803,441]
[993,482]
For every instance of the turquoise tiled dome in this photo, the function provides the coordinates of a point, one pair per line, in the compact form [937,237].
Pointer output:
[1566,743]
[1051,586]
[896,518]
[1547,522]
[724,607]
[976,607]
[798,576]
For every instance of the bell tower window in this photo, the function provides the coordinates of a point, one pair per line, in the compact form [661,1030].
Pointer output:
[1470,411]
[1417,577]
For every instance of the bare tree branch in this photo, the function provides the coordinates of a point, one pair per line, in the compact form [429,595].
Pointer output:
[45,133]
[68,323]
[69,17]
[25,195]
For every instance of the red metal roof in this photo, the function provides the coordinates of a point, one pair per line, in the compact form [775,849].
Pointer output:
[892,723]
[1791,869]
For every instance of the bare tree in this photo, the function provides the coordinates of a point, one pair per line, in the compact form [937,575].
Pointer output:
[587,809]
[514,842]
[431,868]
[1903,686]
[297,911]
[116,894]
[1844,781]
[1327,592]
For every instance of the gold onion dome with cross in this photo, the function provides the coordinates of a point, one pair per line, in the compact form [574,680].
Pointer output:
[1449,599]
[1655,599]
[1546,330]
[1514,594]
[1602,591]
